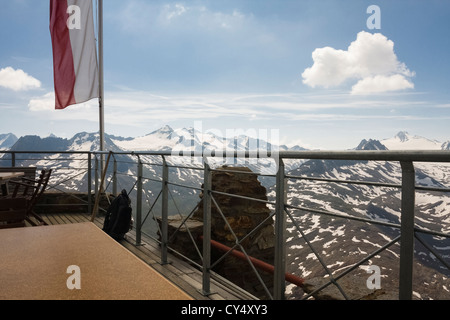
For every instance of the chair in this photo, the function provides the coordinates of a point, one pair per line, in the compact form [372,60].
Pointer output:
[13,212]
[30,173]
[32,190]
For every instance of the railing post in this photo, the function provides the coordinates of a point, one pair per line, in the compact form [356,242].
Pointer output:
[114,177]
[407,231]
[13,159]
[89,183]
[96,180]
[207,185]
[164,212]
[280,234]
[139,203]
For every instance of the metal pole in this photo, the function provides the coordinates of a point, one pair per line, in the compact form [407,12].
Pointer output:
[165,212]
[207,186]
[115,177]
[280,235]
[96,178]
[407,230]
[139,203]
[101,86]
[89,182]
[97,199]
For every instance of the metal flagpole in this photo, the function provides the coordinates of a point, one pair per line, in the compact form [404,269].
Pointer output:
[101,87]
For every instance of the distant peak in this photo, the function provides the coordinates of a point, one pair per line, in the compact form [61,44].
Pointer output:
[164,130]
[371,145]
[403,136]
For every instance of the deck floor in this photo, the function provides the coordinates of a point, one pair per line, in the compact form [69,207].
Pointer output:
[182,274]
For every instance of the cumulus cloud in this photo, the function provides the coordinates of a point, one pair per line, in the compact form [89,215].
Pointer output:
[44,103]
[370,60]
[380,83]
[17,80]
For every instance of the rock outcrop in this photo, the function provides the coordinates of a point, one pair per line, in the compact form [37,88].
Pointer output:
[236,219]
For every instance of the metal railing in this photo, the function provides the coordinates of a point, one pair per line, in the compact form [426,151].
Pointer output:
[147,176]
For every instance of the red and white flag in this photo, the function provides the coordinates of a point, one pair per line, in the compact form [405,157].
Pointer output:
[75,64]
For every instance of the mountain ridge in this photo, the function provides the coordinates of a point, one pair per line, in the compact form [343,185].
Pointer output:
[7,140]
[166,138]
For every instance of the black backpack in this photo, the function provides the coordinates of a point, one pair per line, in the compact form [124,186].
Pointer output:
[118,219]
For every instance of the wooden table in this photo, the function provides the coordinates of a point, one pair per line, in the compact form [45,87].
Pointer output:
[34,266]
[5,177]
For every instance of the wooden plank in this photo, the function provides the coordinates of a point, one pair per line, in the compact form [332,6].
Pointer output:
[52,219]
[45,218]
[166,272]
[63,218]
[74,218]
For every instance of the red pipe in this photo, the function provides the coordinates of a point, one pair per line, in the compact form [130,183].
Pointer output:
[257,263]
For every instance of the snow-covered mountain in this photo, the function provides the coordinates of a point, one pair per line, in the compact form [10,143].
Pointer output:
[342,242]
[371,145]
[405,141]
[189,139]
[7,141]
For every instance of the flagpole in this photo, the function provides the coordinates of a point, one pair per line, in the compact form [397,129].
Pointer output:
[101,87]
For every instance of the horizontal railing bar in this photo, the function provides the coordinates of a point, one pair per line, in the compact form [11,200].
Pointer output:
[184,186]
[236,171]
[423,188]
[242,197]
[152,179]
[150,164]
[59,205]
[369,155]
[369,183]
[328,213]
[46,152]
[434,233]
[185,167]
[365,155]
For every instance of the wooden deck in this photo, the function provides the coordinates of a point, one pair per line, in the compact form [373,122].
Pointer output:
[182,274]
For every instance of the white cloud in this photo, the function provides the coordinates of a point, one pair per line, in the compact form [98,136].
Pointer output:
[370,60]
[379,83]
[17,80]
[144,17]
[174,11]
[44,103]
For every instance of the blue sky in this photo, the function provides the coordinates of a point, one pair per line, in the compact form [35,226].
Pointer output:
[312,70]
